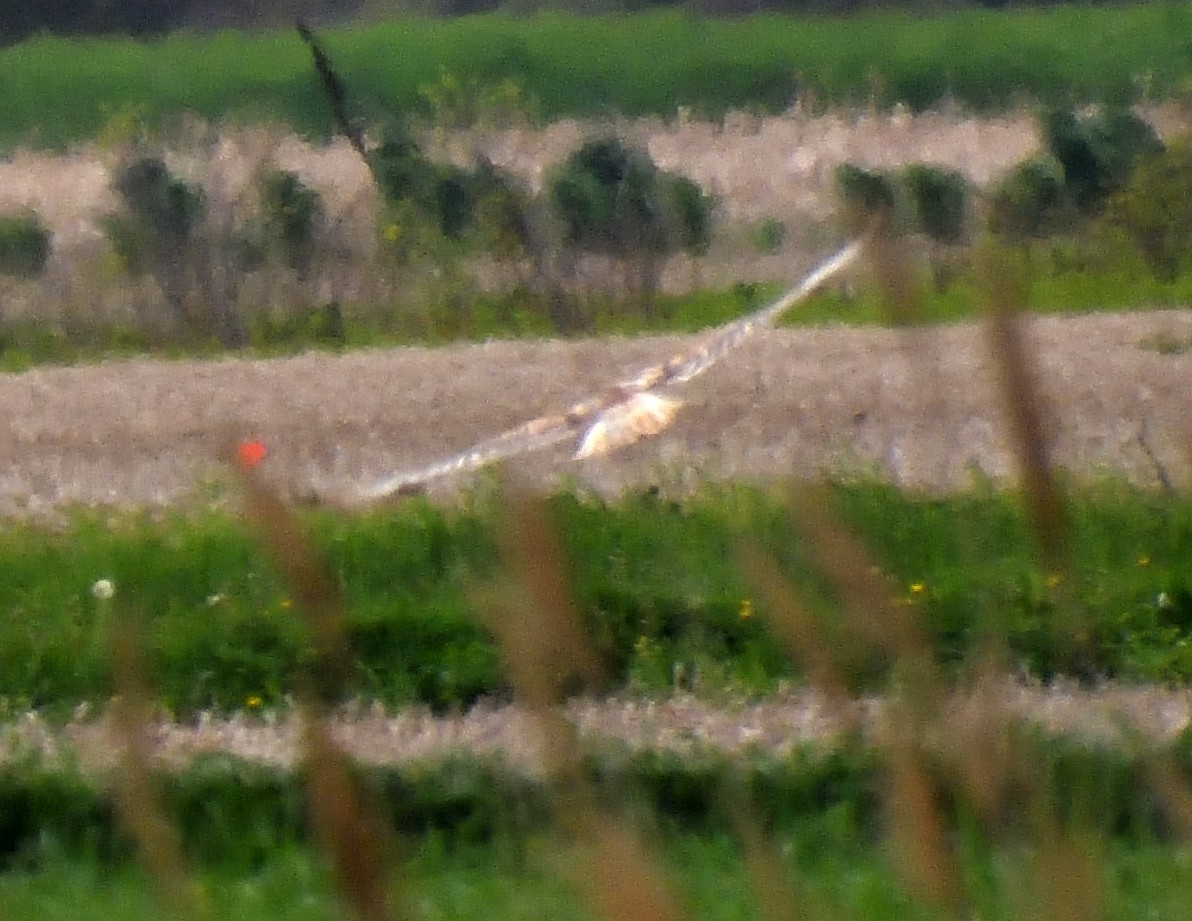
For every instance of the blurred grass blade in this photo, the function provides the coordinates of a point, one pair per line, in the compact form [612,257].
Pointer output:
[345,827]
[919,832]
[549,656]
[542,638]
[620,878]
[314,591]
[1024,411]
[350,833]
[778,897]
[139,807]
[795,627]
[867,596]
[547,646]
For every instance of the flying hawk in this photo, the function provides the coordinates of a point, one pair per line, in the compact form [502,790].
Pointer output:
[631,410]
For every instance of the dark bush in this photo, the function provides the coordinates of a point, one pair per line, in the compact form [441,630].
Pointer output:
[451,198]
[1096,153]
[164,211]
[293,214]
[865,196]
[24,245]
[151,235]
[688,210]
[768,236]
[939,198]
[1030,201]
[403,173]
[612,200]
[606,195]
[162,232]
[1153,212]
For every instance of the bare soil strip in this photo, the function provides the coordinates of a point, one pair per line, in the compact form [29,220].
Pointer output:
[916,406]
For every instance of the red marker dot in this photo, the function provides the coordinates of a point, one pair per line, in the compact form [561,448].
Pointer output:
[250,453]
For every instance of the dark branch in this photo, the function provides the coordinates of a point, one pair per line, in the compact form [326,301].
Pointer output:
[333,86]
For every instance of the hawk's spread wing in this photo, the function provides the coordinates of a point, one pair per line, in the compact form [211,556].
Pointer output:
[631,411]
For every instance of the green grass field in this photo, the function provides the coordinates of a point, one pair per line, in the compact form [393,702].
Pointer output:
[710,874]
[657,582]
[461,851]
[60,91]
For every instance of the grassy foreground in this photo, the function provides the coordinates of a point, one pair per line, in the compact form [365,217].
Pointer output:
[646,63]
[711,875]
[659,585]
[469,842]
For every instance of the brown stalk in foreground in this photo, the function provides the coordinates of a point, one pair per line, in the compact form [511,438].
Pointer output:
[1024,411]
[343,822]
[545,646]
[137,803]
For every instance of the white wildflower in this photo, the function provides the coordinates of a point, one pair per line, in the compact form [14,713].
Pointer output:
[103,589]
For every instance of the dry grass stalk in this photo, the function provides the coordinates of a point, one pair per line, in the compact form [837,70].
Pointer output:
[140,809]
[919,831]
[795,626]
[1024,411]
[620,878]
[981,751]
[343,823]
[546,649]
[1067,882]
[541,633]
[868,599]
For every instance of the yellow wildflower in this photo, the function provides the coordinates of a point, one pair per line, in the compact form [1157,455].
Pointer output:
[746,610]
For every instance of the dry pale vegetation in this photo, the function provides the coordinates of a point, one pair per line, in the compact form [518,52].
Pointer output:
[682,724]
[777,168]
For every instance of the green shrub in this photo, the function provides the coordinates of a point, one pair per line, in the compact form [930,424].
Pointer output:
[162,231]
[1097,153]
[1153,210]
[506,214]
[445,195]
[402,172]
[939,198]
[292,213]
[170,207]
[688,210]
[1030,202]
[768,236]
[605,195]
[160,219]
[24,245]
[865,196]
[612,200]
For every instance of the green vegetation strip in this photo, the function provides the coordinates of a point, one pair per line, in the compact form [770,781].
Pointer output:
[714,879]
[60,91]
[237,815]
[657,582]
